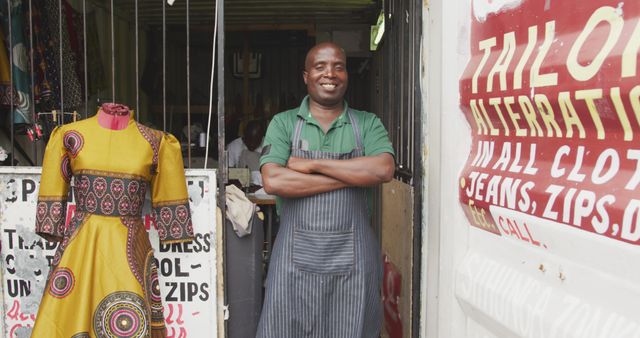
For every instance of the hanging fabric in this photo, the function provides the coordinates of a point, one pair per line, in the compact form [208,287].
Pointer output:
[20,66]
[5,75]
[47,83]
[71,84]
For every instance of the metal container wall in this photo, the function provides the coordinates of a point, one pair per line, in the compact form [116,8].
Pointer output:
[546,167]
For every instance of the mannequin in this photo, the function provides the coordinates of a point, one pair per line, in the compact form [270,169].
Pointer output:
[114,116]
[104,268]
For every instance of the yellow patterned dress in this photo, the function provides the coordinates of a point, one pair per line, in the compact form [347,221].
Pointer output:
[103,280]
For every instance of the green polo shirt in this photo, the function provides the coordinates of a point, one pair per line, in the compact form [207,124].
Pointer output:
[339,138]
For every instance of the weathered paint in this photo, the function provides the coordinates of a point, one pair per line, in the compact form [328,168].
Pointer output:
[483,8]
[188,298]
[553,102]
[538,268]
[552,96]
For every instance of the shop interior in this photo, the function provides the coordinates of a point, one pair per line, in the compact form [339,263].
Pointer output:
[141,61]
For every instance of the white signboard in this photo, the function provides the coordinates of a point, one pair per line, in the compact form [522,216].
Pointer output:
[187,271]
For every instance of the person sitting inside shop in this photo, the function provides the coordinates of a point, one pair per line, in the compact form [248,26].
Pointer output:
[251,140]
[249,147]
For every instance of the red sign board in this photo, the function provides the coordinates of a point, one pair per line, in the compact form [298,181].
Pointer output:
[552,95]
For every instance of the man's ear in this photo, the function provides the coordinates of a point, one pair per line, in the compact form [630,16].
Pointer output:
[304,76]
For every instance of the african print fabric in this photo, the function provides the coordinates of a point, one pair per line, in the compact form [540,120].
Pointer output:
[103,280]
[7,93]
[20,61]
[50,70]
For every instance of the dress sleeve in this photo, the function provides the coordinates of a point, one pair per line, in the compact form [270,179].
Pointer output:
[54,189]
[169,194]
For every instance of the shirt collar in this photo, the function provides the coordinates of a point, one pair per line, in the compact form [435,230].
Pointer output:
[305,113]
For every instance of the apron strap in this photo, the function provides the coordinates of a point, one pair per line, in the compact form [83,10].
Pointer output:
[356,130]
[295,141]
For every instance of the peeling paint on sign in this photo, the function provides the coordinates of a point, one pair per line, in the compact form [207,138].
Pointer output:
[25,258]
[483,8]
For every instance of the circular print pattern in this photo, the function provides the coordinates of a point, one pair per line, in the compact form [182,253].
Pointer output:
[73,142]
[152,287]
[62,282]
[65,168]
[121,314]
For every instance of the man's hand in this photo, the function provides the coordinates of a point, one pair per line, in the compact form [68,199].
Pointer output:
[301,165]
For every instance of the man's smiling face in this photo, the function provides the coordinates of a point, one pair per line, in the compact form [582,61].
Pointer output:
[326,74]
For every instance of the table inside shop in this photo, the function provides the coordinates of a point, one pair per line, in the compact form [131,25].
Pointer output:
[267,203]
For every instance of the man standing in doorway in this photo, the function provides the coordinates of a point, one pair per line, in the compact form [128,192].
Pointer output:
[326,267]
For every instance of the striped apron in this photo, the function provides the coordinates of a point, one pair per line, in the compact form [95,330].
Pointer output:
[325,271]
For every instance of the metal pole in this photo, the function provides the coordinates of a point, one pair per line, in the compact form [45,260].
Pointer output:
[164,66]
[12,113]
[84,43]
[113,57]
[213,71]
[61,119]
[32,74]
[137,67]
[416,167]
[188,94]
[412,97]
[222,156]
